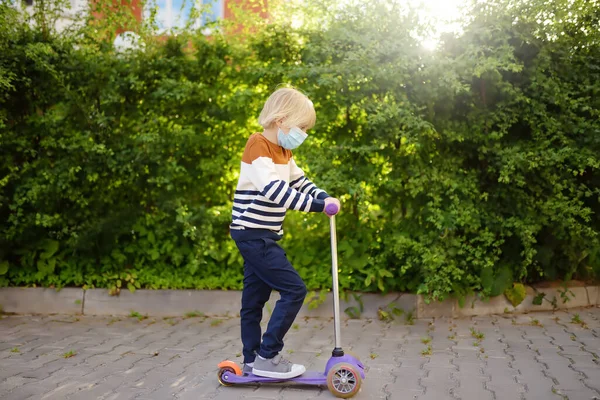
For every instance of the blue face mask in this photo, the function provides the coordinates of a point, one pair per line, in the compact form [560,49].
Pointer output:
[292,140]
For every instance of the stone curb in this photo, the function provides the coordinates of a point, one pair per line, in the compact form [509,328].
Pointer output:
[553,299]
[172,303]
[41,300]
[169,303]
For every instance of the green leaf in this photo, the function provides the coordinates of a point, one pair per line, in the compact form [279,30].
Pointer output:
[358,299]
[423,289]
[118,256]
[461,301]
[385,273]
[154,254]
[352,312]
[502,281]
[3,267]
[516,294]
[50,247]
[537,300]
[50,265]
[487,278]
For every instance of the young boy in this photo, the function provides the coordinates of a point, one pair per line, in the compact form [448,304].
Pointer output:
[270,183]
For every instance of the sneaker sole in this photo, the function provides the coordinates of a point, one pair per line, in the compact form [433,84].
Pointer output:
[278,375]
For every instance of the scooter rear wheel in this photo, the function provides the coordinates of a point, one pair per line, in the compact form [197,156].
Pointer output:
[220,375]
[343,380]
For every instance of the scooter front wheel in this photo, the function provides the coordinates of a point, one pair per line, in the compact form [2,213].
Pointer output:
[343,380]
[351,353]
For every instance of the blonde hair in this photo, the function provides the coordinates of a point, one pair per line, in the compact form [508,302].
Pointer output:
[289,105]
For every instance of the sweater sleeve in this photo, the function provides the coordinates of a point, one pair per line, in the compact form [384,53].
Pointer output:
[263,175]
[301,183]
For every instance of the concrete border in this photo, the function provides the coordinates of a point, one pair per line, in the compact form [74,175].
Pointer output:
[553,299]
[162,303]
[171,303]
[168,303]
[41,300]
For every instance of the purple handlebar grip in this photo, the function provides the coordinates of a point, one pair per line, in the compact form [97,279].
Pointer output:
[331,209]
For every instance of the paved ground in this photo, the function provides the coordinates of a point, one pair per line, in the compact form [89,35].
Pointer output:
[536,356]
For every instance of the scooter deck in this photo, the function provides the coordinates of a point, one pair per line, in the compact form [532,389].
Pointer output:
[307,378]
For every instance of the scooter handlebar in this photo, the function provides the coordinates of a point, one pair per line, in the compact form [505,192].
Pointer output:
[331,209]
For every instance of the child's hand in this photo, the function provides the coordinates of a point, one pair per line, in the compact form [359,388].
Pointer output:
[332,200]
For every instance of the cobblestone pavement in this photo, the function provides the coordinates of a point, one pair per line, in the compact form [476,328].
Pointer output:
[535,356]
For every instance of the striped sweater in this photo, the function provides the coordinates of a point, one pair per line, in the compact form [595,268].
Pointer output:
[270,183]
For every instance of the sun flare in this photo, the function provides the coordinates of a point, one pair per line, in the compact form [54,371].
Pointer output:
[443,15]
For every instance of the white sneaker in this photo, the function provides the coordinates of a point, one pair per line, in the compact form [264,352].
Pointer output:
[277,368]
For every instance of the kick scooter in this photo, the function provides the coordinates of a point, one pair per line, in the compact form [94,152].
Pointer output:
[343,373]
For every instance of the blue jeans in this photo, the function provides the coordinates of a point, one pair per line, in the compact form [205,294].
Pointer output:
[267,268]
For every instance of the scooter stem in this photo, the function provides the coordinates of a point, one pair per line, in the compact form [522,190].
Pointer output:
[337,351]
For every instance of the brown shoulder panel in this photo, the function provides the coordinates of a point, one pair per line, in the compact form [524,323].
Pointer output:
[258,146]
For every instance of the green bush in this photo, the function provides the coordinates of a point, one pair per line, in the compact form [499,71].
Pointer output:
[464,169]
[117,165]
